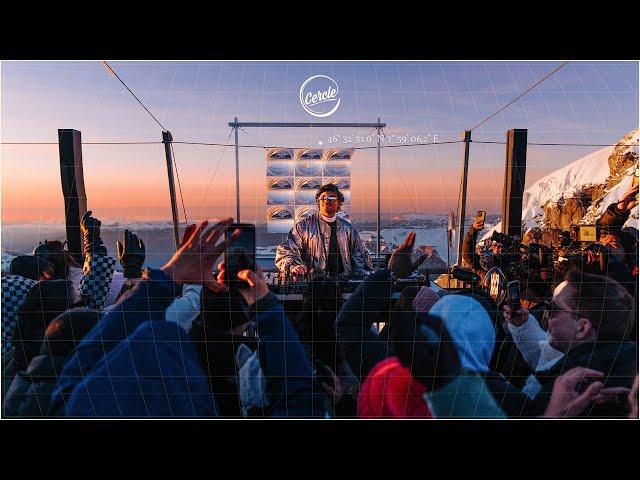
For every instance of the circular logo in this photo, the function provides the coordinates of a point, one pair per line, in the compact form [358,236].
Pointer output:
[319,96]
[495,283]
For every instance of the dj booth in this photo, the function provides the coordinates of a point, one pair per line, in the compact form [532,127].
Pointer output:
[291,291]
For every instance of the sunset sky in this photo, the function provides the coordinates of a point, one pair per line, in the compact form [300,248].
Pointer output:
[585,102]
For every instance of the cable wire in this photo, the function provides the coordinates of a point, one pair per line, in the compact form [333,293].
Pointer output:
[83,143]
[565,144]
[355,148]
[134,95]
[519,96]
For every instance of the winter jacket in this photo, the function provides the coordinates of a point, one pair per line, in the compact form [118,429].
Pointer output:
[217,352]
[617,360]
[134,364]
[361,347]
[44,302]
[467,396]
[289,383]
[14,292]
[474,334]
[391,392]
[308,244]
[8,370]
[30,391]
[154,372]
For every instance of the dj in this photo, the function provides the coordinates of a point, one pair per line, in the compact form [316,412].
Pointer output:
[323,243]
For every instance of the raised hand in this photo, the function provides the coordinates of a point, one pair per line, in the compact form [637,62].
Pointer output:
[195,259]
[629,200]
[131,255]
[478,225]
[91,241]
[565,400]
[400,262]
[258,288]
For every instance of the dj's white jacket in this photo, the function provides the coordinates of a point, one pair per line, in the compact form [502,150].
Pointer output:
[308,244]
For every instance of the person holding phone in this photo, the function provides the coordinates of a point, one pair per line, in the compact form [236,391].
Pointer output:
[478,262]
[324,243]
[620,242]
[589,318]
[289,384]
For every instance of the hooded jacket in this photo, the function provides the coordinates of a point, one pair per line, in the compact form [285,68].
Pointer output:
[308,244]
[391,392]
[473,332]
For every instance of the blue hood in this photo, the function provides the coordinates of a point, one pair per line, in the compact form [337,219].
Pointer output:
[470,328]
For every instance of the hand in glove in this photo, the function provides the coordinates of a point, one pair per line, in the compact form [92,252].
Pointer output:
[131,255]
[424,346]
[90,228]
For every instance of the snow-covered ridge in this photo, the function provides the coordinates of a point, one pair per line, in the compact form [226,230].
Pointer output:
[593,170]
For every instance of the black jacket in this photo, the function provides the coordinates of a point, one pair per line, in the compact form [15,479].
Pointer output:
[617,360]
[217,351]
[508,397]
[30,392]
[361,347]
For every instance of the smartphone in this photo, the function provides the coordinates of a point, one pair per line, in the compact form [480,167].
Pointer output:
[513,292]
[481,215]
[240,255]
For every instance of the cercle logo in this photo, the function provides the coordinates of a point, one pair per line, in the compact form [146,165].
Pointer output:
[319,96]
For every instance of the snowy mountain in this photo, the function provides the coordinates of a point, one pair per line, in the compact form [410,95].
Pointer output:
[580,192]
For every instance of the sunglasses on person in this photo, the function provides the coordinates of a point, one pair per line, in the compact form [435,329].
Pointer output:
[328,199]
[551,309]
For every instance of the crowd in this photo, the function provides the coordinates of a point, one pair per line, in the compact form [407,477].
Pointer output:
[87,340]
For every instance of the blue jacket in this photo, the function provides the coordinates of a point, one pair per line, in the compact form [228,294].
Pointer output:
[135,364]
[290,386]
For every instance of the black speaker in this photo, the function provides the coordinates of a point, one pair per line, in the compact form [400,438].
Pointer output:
[75,198]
